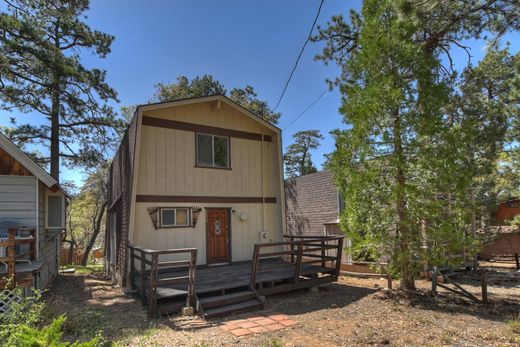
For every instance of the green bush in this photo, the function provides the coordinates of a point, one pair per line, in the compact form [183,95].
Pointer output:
[49,336]
[25,312]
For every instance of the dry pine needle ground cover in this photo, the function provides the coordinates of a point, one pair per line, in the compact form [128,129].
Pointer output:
[353,312]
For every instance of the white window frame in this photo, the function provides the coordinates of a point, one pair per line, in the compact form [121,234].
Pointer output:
[212,151]
[47,195]
[174,225]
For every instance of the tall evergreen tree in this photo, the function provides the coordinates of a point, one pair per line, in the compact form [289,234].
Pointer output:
[297,157]
[41,71]
[401,167]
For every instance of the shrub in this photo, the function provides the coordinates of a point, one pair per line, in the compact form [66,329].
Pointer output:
[49,336]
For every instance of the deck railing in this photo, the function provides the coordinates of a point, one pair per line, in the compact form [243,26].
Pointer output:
[150,267]
[9,256]
[298,252]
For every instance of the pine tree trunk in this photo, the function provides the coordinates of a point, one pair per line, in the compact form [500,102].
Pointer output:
[55,113]
[97,230]
[403,231]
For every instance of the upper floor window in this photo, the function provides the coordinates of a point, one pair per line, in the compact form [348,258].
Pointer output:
[212,151]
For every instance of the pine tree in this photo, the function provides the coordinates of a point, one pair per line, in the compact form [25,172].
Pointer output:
[297,157]
[41,71]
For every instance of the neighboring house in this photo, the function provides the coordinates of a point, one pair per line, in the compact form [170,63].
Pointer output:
[507,210]
[505,242]
[201,172]
[33,202]
[313,205]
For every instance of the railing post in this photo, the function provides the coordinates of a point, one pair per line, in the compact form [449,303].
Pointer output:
[143,277]
[153,284]
[338,256]
[323,262]
[298,262]
[517,261]
[292,249]
[190,301]
[11,254]
[254,266]
[132,268]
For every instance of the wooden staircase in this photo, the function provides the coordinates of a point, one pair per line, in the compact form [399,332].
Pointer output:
[218,305]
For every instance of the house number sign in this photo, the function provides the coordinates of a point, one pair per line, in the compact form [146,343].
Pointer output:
[218,230]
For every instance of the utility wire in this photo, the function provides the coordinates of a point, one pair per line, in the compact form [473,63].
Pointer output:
[307,109]
[299,56]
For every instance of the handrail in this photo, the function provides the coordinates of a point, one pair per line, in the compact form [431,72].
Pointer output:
[297,250]
[149,269]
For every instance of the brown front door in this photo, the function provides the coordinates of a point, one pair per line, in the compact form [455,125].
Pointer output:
[218,235]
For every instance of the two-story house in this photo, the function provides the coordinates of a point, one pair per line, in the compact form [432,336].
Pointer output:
[201,172]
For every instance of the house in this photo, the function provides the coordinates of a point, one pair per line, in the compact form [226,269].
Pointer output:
[32,206]
[507,210]
[203,173]
[504,242]
[313,205]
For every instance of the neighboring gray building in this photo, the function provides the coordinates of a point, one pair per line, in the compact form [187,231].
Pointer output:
[313,204]
[30,199]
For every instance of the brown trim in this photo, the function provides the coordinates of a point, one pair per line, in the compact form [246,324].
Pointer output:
[173,124]
[205,199]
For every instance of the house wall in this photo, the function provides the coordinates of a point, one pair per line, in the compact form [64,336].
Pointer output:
[505,213]
[18,199]
[311,201]
[167,168]
[505,244]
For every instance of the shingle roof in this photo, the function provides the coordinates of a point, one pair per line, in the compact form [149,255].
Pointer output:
[311,201]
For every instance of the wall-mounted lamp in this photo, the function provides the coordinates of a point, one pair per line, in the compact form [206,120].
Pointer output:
[243,217]
[195,211]
[154,211]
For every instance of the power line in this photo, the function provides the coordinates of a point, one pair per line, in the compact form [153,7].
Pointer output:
[299,56]
[307,109]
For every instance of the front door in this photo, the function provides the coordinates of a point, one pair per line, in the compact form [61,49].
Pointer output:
[218,235]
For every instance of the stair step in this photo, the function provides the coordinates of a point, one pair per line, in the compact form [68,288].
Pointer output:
[245,306]
[170,308]
[227,299]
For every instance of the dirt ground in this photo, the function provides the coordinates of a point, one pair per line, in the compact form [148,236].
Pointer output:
[352,312]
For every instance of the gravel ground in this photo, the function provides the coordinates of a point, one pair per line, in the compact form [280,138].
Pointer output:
[352,312]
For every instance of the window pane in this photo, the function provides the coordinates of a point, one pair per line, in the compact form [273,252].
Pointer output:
[54,212]
[204,150]
[167,217]
[221,151]
[182,217]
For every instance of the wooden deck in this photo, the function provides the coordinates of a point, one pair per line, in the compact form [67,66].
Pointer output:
[166,286]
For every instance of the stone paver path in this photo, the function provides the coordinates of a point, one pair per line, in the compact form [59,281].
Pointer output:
[257,324]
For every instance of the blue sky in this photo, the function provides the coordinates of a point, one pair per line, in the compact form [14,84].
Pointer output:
[239,42]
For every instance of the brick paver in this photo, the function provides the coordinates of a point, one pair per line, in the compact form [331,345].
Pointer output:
[264,322]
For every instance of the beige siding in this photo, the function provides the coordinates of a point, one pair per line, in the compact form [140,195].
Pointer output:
[244,234]
[167,167]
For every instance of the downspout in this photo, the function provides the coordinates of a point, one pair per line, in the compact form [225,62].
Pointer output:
[262,177]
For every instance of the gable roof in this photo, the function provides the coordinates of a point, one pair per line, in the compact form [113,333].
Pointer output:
[217,97]
[15,152]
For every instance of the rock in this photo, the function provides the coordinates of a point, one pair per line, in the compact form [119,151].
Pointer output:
[334,306]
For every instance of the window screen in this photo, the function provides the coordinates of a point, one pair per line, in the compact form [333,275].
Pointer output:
[55,211]
[212,151]
[167,217]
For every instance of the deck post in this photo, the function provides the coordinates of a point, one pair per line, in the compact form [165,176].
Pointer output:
[338,256]
[11,255]
[298,262]
[153,283]
[143,277]
[132,268]
[254,266]
[292,249]
[323,261]
[517,260]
